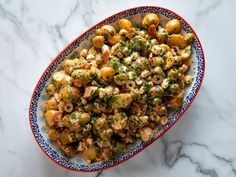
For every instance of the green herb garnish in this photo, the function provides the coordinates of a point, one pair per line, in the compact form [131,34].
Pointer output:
[115,63]
[118,150]
[147,88]
[93,118]
[75,116]
[69,90]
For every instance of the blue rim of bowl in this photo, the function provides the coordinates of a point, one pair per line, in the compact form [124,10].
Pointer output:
[54,155]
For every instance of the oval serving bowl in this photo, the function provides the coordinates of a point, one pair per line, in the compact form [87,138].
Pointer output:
[77,163]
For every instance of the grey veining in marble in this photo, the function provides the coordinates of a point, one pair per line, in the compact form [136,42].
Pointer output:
[202,143]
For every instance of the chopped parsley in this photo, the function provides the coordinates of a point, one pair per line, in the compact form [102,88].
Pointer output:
[93,116]
[118,150]
[83,124]
[75,115]
[79,103]
[147,87]
[94,83]
[123,115]
[107,99]
[70,95]
[95,76]
[110,121]
[94,94]
[115,63]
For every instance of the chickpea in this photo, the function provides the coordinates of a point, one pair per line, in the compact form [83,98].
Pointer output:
[177,101]
[107,73]
[189,37]
[139,81]
[140,64]
[84,53]
[51,89]
[170,61]
[121,79]
[119,120]
[165,83]
[156,49]
[50,104]
[122,100]
[135,55]
[165,48]
[98,59]
[67,137]
[53,134]
[175,51]
[153,42]
[98,31]
[128,60]
[90,57]
[69,94]
[116,90]
[146,133]
[135,94]
[174,88]
[94,71]
[178,60]
[114,39]
[98,41]
[157,91]
[90,154]
[52,117]
[124,24]
[188,79]
[183,68]
[186,53]
[107,31]
[163,120]
[173,26]
[144,120]
[108,90]
[58,77]
[80,76]
[139,42]
[92,50]
[162,35]
[157,61]
[188,62]
[123,33]
[131,75]
[126,51]
[145,73]
[173,74]
[150,19]
[158,70]
[162,111]
[157,101]
[177,40]
[85,118]
[68,65]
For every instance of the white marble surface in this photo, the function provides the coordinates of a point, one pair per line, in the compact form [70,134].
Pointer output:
[202,143]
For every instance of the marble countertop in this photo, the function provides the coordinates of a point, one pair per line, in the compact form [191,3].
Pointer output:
[202,143]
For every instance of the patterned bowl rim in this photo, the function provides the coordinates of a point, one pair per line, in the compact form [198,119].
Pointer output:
[162,132]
